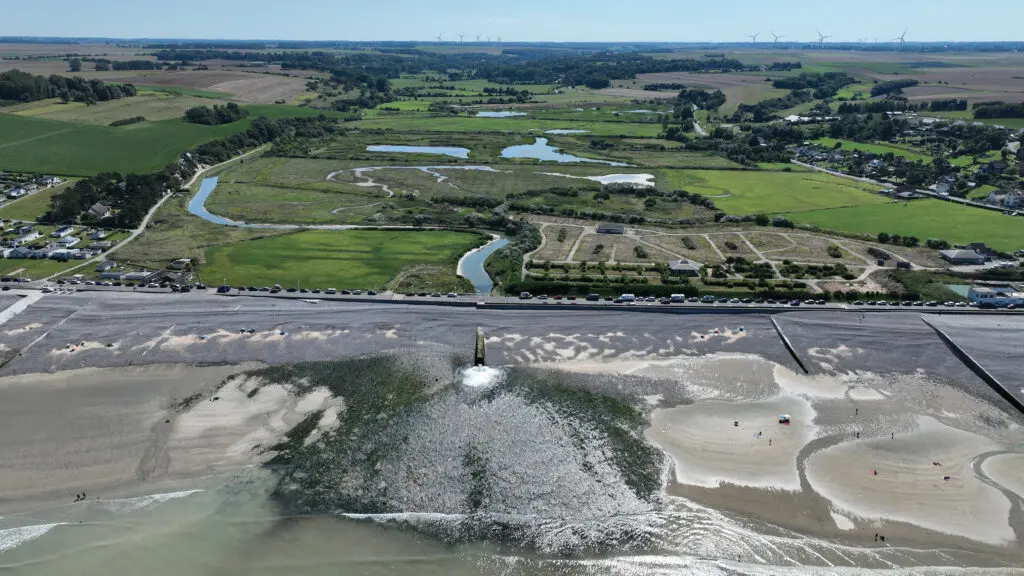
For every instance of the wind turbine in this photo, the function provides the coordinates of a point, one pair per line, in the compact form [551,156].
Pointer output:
[776,36]
[488,38]
[901,38]
[822,38]
[439,38]
[461,36]
[499,40]
[753,37]
[478,37]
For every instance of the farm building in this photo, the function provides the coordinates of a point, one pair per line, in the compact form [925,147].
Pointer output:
[963,257]
[611,228]
[686,267]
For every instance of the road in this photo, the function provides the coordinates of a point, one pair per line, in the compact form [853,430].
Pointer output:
[485,302]
[149,216]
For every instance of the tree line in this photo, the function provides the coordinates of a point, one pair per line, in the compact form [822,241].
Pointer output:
[18,86]
[215,116]
[998,110]
[892,86]
[901,105]
[824,85]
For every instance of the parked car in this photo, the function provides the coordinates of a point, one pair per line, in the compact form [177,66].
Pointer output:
[593,297]
[708,299]
[224,289]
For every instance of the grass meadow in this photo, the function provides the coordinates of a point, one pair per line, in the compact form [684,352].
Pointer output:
[364,259]
[923,219]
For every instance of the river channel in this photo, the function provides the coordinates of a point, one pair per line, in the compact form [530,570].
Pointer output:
[471,266]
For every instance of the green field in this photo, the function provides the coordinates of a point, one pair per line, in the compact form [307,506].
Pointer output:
[880,149]
[923,219]
[751,192]
[34,269]
[521,125]
[151,105]
[31,207]
[72,149]
[364,259]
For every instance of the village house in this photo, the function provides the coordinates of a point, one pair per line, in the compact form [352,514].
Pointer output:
[99,235]
[25,239]
[99,210]
[16,192]
[68,241]
[48,181]
[62,232]
[106,265]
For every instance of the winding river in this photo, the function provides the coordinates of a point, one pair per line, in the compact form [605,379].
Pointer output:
[471,265]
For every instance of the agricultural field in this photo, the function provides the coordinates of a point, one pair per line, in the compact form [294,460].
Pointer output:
[153,105]
[72,149]
[738,87]
[364,259]
[924,219]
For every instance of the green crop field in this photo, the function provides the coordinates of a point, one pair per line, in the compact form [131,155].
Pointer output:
[906,152]
[72,149]
[751,192]
[364,259]
[152,105]
[923,219]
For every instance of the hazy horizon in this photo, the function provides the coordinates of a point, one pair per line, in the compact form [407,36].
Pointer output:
[526,21]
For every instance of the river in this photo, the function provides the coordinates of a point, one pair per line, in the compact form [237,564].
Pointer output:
[471,266]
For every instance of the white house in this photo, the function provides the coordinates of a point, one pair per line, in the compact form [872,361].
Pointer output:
[1000,297]
[1014,200]
[48,181]
[68,241]
[16,193]
[62,232]
[25,239]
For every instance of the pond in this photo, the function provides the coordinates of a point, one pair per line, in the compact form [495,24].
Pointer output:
[540,150]
[471,266]
[453,151]
[505,114]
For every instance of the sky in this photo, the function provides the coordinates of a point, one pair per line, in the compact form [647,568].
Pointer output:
[521,20]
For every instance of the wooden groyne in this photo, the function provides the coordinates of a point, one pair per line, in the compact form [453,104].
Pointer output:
[976,367]
[789,345]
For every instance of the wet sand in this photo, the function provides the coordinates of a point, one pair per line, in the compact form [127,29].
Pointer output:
[101,417]
[107,432]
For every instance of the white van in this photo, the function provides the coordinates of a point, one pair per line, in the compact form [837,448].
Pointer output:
[332,290]
[678,298]
[628,298]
